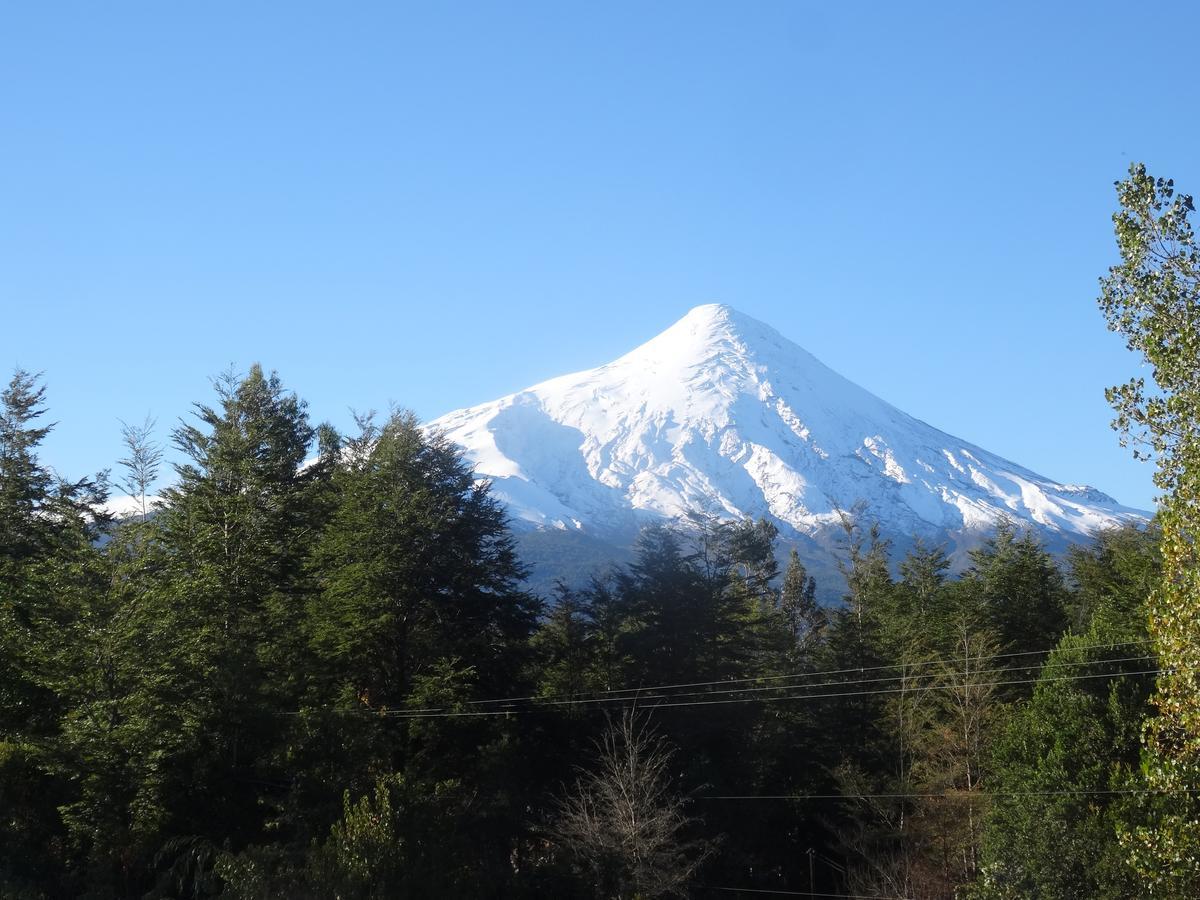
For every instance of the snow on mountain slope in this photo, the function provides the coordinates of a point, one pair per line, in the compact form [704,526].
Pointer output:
[722,413]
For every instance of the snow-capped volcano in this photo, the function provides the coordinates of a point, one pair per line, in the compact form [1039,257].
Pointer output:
[722,413]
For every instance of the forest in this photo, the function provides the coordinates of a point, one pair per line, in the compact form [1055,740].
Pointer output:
[312,670]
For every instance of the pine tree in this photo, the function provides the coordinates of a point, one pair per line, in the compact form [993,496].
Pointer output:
[417,607]
[111,736]
[49,573]
[1018,590]
[416,566]
[1064,759]
[26,538]
[855,637]
[925,616]
[26,486]
[143,462]
[668,601]
[219,627]
[798,600]
[565,646]
[861,747]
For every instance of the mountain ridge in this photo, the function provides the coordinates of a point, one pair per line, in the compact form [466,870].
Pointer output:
[722,413]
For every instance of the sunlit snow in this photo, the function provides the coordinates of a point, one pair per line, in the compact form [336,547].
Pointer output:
[721,412]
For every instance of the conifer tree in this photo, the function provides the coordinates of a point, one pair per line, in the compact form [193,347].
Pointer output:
[417,608]
[798,600]
[668,602]
[26,538]
[610,624]
[220,627]
[1017,589]
[143,460]
[111,735]
[861,747]
[415,566]
[565,646]
[1065,759]
[925,616]
[49,572]
[26,486]
[855,637]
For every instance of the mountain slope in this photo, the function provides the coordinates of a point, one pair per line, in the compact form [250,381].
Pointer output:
[722,413]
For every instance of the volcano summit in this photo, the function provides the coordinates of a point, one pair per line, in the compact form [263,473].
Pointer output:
[723,414]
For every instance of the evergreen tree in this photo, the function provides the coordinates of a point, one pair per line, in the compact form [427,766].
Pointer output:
[49,570]
[855,640]
[1065,759]
[26,486]
[668,605]
[143,462]
[111,741]
[398,840]
[610,623]
[1017,589]
[798,601]
[415,568]
[1113,576]
[417,609]
[923,616]
[220,625]
[564,646]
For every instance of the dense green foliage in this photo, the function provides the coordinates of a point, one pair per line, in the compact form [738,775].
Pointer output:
[1152,298]
[1065,760]
[315,670]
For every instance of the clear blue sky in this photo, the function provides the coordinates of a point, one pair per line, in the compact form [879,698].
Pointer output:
[435,204]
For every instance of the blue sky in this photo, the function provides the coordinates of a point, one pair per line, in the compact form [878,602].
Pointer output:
[436,204]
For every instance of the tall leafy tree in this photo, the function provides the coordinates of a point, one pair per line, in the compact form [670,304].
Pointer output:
[1152,298]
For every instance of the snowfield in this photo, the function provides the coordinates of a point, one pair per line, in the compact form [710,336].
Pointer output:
[722,413]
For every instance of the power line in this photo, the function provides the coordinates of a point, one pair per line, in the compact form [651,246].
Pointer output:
[819,673]
[980,684]
[883,679]
[638,693]
[401,713]
[443,712]
[1084,792]
[744,890]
